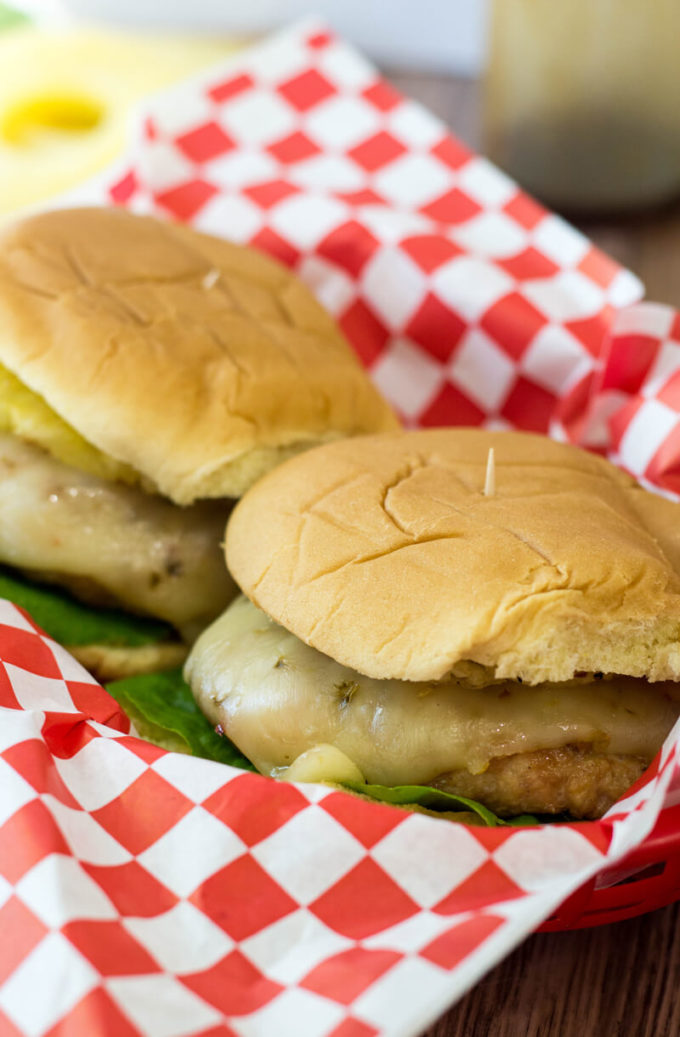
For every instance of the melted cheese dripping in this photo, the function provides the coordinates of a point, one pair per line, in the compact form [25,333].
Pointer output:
[277,698]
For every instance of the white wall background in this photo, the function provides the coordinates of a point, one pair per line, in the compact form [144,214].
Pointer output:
[432,35]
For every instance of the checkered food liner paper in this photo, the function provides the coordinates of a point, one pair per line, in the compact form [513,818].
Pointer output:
[153,894]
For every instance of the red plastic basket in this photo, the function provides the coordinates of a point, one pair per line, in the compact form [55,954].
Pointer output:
[647,879]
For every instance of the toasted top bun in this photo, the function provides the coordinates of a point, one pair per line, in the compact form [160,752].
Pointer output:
[199,363]
[385,554]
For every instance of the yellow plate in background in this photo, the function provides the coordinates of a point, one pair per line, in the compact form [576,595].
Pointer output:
[66,99]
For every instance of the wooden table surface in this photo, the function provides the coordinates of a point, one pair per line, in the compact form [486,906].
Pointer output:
[620,980]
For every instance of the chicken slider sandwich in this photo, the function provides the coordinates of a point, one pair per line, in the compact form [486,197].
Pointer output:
[148,374]
[496,615]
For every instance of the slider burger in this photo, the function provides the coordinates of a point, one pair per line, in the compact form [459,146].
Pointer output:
[414,614]
[149,374]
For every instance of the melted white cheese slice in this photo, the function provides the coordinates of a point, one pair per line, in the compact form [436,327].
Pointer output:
[137,548]
[277,698]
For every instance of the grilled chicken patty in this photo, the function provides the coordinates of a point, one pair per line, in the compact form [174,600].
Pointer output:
[515,747]
[111,543]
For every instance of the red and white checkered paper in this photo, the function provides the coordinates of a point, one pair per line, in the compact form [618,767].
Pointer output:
[149,894]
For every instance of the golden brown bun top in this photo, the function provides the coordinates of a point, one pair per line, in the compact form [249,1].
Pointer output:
[198,362]
[384,553]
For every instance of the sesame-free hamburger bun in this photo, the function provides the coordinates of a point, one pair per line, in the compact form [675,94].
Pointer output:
[514,639]
[148,374]
[191,363]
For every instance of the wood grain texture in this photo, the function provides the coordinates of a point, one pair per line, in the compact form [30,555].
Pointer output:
[617,980]
[620,980]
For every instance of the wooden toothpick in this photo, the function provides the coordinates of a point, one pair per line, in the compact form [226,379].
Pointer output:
[490,480]
[210,279]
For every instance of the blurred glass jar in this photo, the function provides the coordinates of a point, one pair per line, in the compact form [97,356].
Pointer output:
[582,101]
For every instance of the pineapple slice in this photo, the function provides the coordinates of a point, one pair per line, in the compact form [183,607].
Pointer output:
[25,414]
